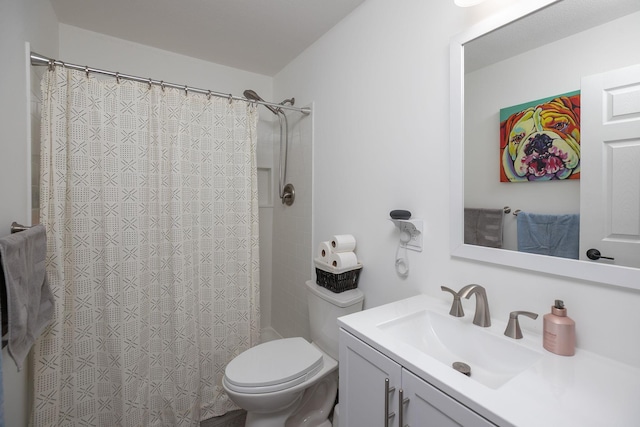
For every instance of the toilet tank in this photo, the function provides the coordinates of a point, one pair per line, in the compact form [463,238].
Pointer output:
[324,309]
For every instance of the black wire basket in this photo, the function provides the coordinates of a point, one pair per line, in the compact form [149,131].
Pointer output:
[335,279]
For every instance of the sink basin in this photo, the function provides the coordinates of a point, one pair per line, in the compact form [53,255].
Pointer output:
[493,359]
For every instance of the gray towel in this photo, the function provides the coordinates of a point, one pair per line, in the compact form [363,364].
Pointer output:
[483,227]
[29,297]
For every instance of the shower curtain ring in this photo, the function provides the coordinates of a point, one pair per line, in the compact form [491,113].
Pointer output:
[208,95]
[117,77]
[162,85]
[186,90]
[149,83]
[51,64]
[230,99]
[86,70]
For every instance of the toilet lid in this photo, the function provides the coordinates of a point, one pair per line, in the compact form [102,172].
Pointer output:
[273,366]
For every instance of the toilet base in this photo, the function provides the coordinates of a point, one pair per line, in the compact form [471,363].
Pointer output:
[270,419]
[312,409]
[316,405]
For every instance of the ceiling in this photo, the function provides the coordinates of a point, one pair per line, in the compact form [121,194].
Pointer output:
[261,36]
[548,24]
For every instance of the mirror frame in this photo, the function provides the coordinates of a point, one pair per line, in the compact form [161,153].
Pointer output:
[625,277]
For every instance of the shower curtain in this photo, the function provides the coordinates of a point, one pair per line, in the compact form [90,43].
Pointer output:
[149,198]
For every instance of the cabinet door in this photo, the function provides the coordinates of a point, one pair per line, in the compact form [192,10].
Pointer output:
[363,371]
[429,407]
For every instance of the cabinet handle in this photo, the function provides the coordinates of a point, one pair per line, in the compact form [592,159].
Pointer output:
[387,390]
[401,402]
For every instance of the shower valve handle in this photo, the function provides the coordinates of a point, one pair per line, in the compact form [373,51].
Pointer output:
[288,194]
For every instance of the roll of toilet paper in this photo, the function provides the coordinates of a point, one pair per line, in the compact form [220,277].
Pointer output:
[343,260]
[324,251]
[343,243]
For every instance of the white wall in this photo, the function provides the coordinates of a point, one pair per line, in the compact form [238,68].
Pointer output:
[101,51]
[379,81]
[501,85]
[21,21]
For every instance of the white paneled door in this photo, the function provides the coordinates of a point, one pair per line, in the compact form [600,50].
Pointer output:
[610,177]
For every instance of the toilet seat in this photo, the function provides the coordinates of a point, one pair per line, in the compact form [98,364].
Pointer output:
[273,366]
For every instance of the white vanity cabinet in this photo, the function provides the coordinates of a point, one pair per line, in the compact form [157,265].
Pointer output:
[365,401]
[414,342]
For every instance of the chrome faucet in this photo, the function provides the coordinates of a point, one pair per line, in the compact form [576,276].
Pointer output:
[482,316]
[513,327]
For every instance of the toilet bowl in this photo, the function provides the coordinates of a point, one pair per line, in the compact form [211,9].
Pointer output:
[290,382]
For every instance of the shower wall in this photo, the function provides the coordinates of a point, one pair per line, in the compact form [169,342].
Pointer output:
[292,233]
[266,195]
[35,108]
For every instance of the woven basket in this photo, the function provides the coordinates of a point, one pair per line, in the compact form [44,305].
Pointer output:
[337,279]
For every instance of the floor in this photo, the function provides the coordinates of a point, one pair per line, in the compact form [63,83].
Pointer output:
[230,419]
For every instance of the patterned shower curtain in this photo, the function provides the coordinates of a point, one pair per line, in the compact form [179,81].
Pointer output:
[149,198]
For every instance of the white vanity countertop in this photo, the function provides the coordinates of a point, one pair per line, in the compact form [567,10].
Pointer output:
[582,390]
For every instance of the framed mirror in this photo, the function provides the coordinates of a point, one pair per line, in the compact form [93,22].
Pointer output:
[534,50]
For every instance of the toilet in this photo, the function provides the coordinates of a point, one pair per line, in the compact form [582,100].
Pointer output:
[290,382]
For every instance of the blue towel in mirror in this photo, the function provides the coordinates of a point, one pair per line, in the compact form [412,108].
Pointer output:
[544,234]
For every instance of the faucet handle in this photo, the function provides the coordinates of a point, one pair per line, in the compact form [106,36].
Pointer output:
[456,306]
[513,327]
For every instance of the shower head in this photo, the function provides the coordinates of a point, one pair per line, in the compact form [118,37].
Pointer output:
[251,94]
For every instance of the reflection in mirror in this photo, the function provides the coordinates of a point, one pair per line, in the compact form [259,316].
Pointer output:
[532,52]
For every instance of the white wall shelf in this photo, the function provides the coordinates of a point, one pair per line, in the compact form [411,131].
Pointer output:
[414,228]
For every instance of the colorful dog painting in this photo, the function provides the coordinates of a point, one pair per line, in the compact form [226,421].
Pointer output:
[540,140]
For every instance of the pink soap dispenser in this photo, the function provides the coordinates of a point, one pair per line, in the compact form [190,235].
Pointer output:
[559,331]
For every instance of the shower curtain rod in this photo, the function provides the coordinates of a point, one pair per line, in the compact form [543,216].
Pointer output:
[40,60]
